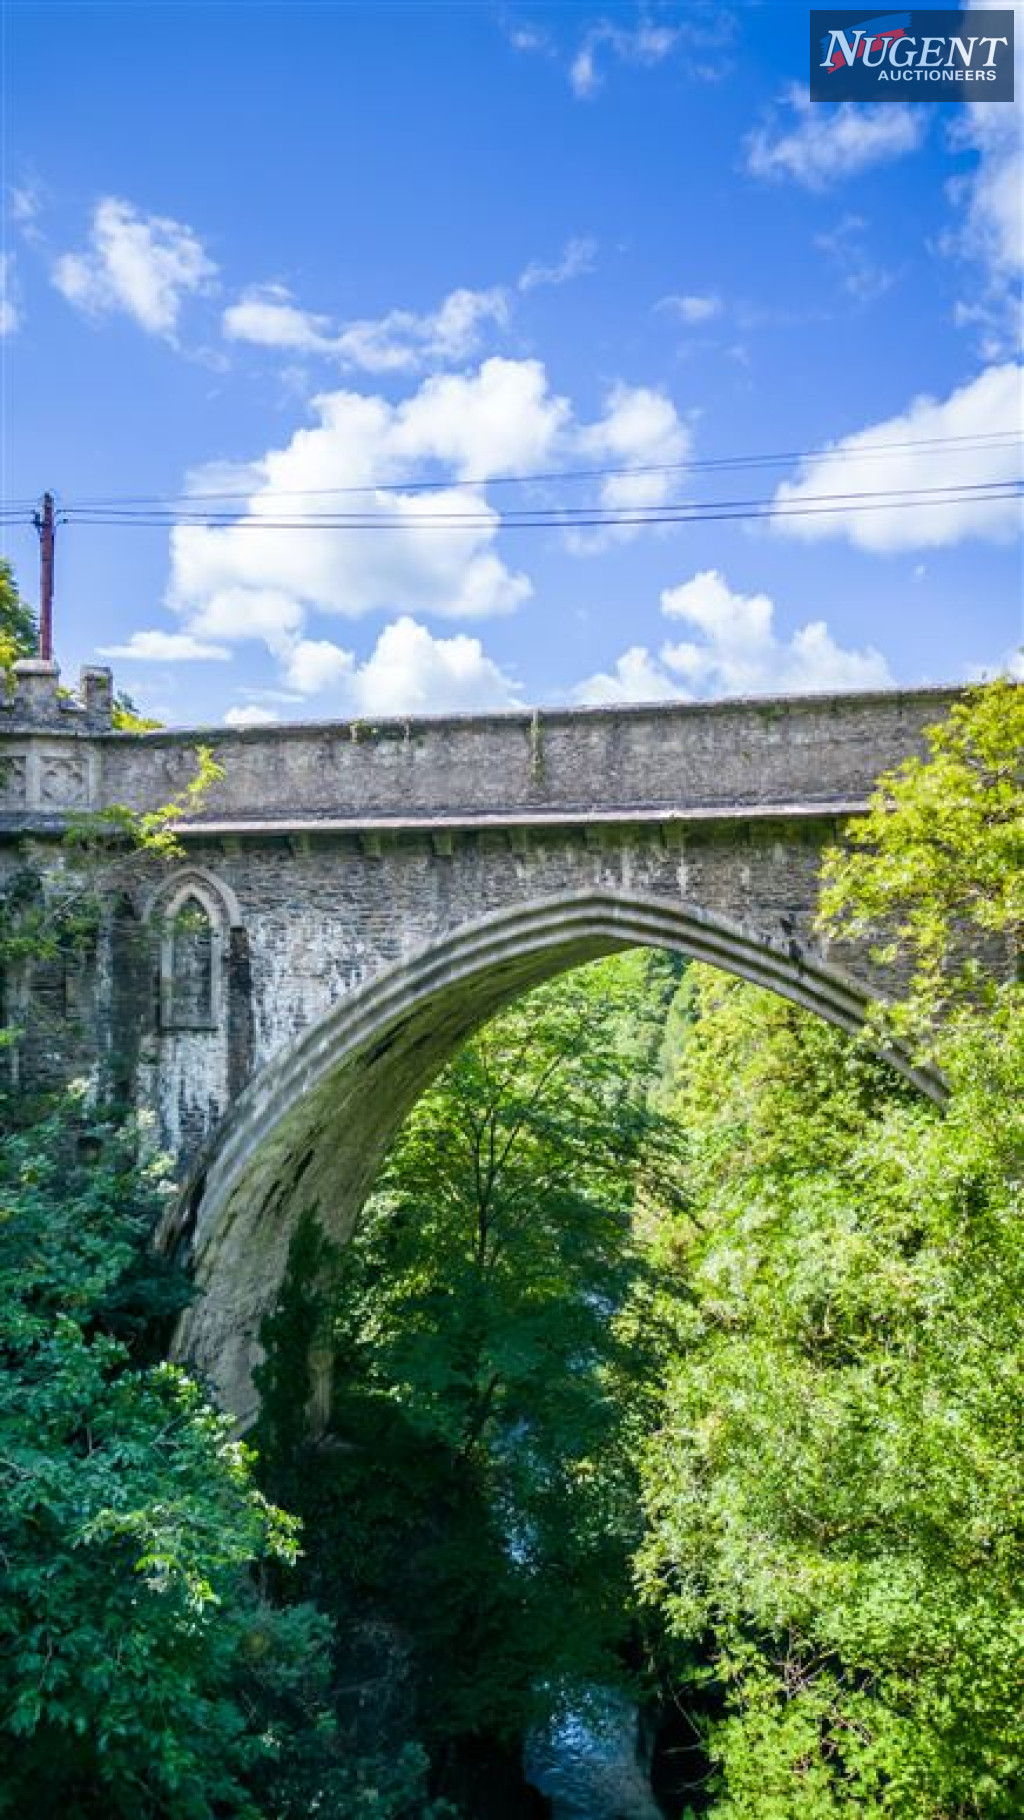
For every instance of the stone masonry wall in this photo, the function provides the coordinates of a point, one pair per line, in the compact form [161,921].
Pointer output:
[328,852]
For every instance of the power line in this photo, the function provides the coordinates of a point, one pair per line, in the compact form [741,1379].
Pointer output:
[584,518]
[166,511]
[981,442]
[487,516]
[542,518]
[169,511]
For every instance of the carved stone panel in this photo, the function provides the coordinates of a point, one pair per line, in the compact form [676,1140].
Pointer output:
[63,781]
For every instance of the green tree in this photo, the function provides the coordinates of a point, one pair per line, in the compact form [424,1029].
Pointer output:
[128,718]
[18,633]
[936,867]
[477,1489]
[132,1649]
[141,1674]
[833,1496]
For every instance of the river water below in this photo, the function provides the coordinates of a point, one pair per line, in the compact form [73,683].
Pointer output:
[589,1763]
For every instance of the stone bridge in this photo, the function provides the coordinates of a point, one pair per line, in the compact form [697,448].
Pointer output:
[352,899]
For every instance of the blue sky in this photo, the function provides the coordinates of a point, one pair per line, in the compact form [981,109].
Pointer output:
[270,250]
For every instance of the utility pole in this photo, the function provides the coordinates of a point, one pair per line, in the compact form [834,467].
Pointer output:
[44,524]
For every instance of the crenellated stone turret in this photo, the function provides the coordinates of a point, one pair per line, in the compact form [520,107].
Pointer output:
[37,703]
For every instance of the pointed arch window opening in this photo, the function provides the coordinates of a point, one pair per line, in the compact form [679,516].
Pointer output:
[191,953]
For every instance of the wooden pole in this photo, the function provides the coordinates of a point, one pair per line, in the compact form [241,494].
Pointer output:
[45,527]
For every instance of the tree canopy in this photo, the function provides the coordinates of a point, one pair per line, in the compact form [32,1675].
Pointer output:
[832,1498]
[18,631]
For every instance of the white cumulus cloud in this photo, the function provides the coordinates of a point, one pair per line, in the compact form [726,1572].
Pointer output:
[642,436]
[735,651]
[155,647]
[142,266]
[270,319]
[636,676]
[314,664]
[409,671]
[362,454]
[816,144]
[253,580]
[399,342]
[995,197]
[738,651]
[250,715]
[990,403]
[503,419]
[220,608]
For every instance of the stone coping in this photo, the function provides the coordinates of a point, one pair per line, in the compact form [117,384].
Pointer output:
[514,818]
[399,726]
[16,826]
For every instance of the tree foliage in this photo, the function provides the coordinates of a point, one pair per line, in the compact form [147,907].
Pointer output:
[477,1489]
[18,632]
[141,1674]
[128,718]
[937,865]
[129,1514]
[832,1497]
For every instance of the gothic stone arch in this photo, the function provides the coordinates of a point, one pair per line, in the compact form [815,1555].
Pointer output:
[309,1133]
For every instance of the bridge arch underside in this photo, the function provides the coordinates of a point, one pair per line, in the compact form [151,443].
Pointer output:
[311,1130]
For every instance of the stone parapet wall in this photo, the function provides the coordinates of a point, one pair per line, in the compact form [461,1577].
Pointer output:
[784,752]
